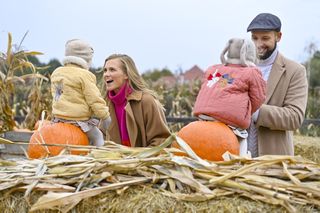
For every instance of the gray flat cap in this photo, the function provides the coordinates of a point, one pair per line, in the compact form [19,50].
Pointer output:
[265,22]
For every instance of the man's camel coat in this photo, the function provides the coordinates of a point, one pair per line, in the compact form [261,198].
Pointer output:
[284,107]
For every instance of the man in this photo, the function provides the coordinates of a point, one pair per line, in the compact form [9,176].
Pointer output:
[287,91]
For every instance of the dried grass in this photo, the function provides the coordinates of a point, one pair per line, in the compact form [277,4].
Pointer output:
[148,199]
[307,147]
[114,178]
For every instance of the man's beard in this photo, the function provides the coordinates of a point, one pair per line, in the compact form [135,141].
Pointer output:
[268,53]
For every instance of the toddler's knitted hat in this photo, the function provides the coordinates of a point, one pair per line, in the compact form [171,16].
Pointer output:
[78,52]
[240,51]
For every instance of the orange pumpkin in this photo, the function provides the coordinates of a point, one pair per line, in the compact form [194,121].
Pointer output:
[209,139]
[56,133]
[44,122]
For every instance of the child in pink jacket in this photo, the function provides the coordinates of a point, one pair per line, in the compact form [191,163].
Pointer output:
[232,91]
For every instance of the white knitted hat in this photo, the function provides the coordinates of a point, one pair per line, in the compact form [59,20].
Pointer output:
[78,52]
[240,51]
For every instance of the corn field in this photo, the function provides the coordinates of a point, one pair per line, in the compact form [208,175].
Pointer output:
[13,77]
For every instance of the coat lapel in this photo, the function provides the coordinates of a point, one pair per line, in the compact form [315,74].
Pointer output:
[132,129]
[277,71]
[114,129]
[131,122]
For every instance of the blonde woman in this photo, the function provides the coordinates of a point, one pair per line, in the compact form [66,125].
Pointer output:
[137,116]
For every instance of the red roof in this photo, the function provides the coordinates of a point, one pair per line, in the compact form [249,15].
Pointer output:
[194,73]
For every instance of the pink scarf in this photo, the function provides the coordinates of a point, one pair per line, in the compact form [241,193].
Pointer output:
[119,101]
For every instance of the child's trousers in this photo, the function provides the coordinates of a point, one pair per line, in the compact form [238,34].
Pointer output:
[95,137]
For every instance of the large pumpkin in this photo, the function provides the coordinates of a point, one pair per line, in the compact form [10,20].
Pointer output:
[56,133]
[42,123]
[209,139]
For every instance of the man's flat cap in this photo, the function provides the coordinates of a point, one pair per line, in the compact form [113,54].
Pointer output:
[265,22]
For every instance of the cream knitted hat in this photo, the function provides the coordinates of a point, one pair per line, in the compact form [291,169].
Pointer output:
[78,52]
[240,51]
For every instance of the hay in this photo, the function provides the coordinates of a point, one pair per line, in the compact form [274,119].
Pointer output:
[147,199]
[307,147]
[114,178]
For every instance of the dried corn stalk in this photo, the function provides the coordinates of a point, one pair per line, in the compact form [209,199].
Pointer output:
[278,180]
[12,64]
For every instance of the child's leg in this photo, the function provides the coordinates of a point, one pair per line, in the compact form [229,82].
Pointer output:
[243,152]
[95,137]
[242,138]
[105,124]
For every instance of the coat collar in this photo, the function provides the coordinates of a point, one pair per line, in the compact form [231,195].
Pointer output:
[75,60]
[278,68]
[135,95]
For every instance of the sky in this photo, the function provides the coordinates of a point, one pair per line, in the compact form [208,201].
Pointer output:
[157,34]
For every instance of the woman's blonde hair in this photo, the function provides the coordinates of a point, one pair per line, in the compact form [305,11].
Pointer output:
[135,80]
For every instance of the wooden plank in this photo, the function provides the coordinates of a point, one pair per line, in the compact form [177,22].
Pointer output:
[315,122]
[16,136]
[12,151]
[181,119]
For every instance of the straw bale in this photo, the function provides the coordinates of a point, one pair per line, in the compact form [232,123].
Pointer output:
[147,199]
[307,147]
[155,180]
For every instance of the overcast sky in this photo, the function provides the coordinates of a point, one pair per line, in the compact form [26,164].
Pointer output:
[155,33]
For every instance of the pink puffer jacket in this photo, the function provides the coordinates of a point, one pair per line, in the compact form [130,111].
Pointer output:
[231,94]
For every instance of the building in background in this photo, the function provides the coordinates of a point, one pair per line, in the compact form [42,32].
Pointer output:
[189,76]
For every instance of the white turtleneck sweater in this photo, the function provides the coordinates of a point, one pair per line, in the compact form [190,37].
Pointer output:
[266,65]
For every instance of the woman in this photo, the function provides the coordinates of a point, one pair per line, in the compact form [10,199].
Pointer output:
[137,116]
